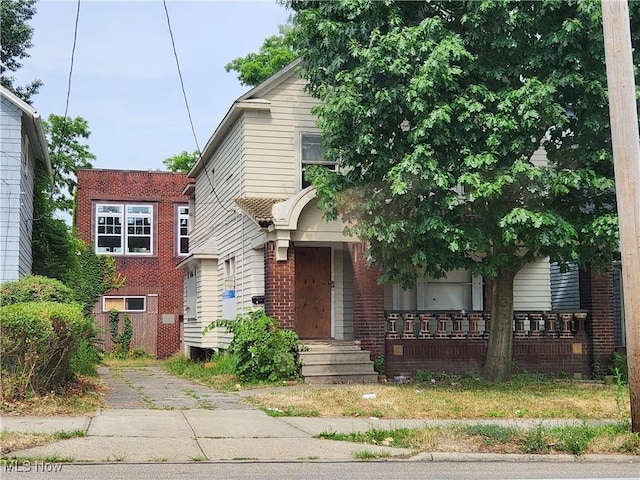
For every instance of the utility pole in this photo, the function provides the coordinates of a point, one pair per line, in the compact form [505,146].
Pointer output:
[626,158]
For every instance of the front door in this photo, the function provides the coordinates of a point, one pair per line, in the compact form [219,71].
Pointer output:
[313,292]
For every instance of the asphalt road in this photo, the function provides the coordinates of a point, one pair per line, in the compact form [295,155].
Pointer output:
[388,470]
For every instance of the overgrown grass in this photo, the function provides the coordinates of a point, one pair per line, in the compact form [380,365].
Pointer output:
[129,362]
[11,441]
[576,440]
[81,396]
[217,373]
[458,398]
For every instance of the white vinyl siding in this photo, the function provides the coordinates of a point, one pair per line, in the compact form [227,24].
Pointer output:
[539,157]
[532,287]
[271,152]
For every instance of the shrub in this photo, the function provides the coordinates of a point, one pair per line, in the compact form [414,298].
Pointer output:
[121,341]
[34,288]
[262,350]
[37,343]
[85,359]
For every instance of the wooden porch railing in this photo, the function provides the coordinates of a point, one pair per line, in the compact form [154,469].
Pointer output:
[436,324]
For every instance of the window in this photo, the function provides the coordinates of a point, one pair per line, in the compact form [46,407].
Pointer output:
[183,230]
[113,237]
[312,153]
[230,274]
[459,290]
[124,304]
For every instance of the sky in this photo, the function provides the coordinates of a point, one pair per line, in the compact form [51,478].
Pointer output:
[125,81]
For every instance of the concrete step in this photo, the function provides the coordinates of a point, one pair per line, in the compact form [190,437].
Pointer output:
[332,379]
[336,363]
[337,368]
[322,347]
[334,358]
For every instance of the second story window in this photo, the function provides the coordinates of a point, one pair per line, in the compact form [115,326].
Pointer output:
[124,229]
[312,153]
[183,230]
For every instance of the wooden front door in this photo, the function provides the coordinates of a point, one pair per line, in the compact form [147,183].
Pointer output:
[313,292]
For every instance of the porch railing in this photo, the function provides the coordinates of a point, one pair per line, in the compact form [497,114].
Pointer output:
[436,324]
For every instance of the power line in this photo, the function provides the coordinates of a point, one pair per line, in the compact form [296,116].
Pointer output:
[73,52]
[66,106]
[186,103]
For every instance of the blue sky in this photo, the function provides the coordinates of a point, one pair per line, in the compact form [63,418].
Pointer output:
[125,81]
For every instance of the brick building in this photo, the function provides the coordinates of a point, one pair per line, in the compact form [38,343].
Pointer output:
[141,218]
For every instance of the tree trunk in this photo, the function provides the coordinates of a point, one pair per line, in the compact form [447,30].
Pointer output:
[497,364]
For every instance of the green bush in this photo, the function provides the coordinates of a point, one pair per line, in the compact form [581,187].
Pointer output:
[35,288]
[262,350]
[37,343]
[121,341]
[86,358]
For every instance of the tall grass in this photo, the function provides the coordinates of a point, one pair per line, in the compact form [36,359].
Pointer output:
[217,373]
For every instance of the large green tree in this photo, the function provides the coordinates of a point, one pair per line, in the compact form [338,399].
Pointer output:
[54,246]
[68,152]
[435,109]
[181,162]
[16,40]
[275,53]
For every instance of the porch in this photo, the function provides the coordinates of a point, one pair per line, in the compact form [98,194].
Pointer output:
[455,341]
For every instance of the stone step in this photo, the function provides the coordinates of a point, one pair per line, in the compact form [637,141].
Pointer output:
[337,368]
[317,347]
[333,379]
[325,362]
[334,358]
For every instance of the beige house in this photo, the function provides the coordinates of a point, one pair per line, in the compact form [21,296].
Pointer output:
[257,240]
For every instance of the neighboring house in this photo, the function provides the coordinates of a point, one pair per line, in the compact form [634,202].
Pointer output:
[141,219]
[259,241]
[23,152]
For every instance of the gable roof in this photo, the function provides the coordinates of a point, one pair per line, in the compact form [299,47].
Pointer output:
[33,122]
[252,100]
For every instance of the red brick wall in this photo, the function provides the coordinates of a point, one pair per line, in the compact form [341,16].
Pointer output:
[596,295]
[280,286]
[155,273]
[368,303]
[542,355]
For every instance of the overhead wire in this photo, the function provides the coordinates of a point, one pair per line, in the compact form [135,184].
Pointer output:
[186,102]
[63,131]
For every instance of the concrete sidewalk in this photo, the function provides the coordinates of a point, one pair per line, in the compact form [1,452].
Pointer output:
[140,435]
[193,435]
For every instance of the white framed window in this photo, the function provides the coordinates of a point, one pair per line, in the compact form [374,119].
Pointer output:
[230,274]
[183,230]
[109,228]
[124,304]
[312,153]
[458,290]
[124,229]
